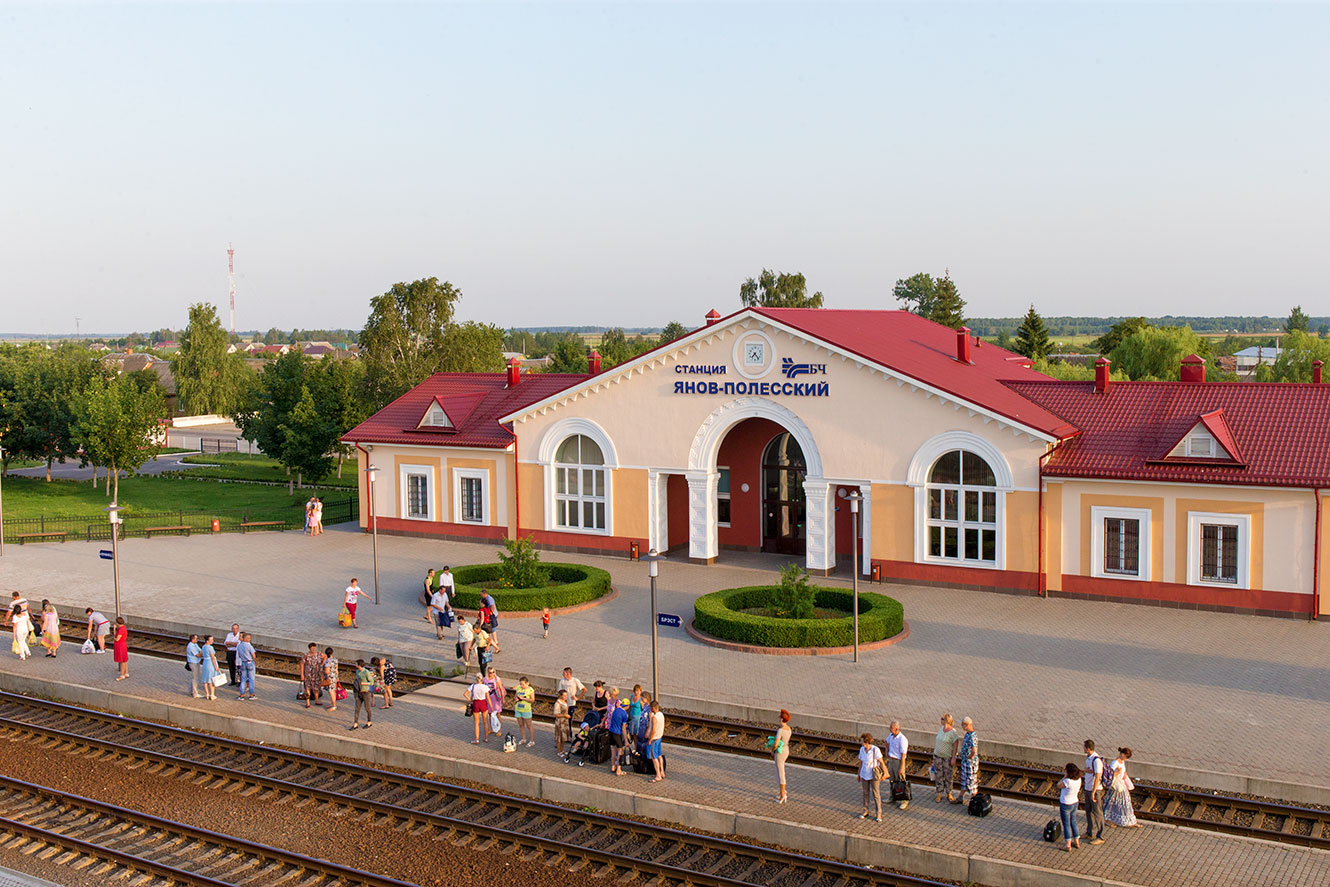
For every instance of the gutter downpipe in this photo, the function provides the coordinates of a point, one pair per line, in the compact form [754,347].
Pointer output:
[1316,563]
[517,493]
[1043,573]
[368,498]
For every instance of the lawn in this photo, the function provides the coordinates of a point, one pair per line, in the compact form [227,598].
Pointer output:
[244,466]
[27,497]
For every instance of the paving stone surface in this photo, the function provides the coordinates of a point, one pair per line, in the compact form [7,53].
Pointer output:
[1205,690]
[1152,855]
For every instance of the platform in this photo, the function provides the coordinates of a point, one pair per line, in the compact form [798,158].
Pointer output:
[719,792]
[1042,674]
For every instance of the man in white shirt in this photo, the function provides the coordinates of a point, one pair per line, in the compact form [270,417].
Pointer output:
[232,641]
[438,608]
[446,583]
[576,690]
[897,748]
[1094,794]
[465,638]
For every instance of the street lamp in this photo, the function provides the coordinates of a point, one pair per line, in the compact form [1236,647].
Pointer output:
[855,498]
[2,504]
[373,472]
[653,559]
[113,512]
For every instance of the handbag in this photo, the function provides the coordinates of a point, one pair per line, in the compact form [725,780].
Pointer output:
[470,708]
[32,636]
[341,692]
[459,649]
[187,667]
[879,770]
[219,679]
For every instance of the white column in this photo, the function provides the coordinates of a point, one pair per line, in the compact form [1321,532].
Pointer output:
[866,527]
[702,539]
[820,530]
[658,510]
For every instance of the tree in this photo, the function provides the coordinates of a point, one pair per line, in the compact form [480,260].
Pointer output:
[116,424]
[1157,352]
[471,347]
[403,340]
[948,306]
[1072,372]
[279,387]
[569,356]
[1297,320]
[341,398]
[307,439]
[45,385]
[206,376]
[1032,336]
[771,290]
[673,330]
[919,293]
[1110,340]
[1299,349]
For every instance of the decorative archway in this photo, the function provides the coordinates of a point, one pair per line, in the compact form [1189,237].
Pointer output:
[706,443]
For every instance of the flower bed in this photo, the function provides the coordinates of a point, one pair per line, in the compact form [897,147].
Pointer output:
[570,585]
[718,615]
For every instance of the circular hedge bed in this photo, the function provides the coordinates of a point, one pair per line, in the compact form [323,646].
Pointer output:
[570,585]
[719,615]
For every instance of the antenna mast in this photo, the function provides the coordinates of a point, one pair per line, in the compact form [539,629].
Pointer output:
[231,278]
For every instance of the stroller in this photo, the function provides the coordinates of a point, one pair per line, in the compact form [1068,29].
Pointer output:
[583,744]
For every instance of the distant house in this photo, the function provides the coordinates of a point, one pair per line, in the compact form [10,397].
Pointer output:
[274,350]
[1250,358]
[99,347]
[131,362]
[319,351]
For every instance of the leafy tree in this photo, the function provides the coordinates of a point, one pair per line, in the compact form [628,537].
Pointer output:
[403,340]
[1157,352]
[341,398]
[918,293]
[262,417]
[1294,363]
[520,565]
[1032,337]
[569,356]
[794,597]
[45,387]
[116,423]
[307,438]
[673,330]
[948,306]
[471,347]
[1110,340]
[771,290]
[206,376]
[1072,372]
[1297,320]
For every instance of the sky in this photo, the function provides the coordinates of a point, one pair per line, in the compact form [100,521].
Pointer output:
[632,163]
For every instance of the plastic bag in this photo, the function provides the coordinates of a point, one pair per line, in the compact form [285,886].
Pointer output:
[88,647]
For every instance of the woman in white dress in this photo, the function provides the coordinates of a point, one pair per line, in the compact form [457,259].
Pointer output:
[22,623]
[1117,806]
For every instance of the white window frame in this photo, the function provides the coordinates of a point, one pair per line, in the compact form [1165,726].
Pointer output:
[725,496]
[482,475]
[404,499]
[580,498]
[925,522]
[1196,437]
[1144,560]
[1195,519]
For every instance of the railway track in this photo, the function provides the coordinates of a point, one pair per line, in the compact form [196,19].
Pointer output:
[1259,818]
[620,850]
[39,819]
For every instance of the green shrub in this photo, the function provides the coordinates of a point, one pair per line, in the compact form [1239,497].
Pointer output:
[793,598]
[521,565]
[718,615]
[577,584]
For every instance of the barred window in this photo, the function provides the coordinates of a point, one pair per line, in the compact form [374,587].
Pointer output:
[473,500]
[1219,553]
[1122,546]
[417,495]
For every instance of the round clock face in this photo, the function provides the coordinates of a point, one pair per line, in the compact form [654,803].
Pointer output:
[755,353]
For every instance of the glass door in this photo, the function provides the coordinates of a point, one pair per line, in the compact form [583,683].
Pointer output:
[784,509]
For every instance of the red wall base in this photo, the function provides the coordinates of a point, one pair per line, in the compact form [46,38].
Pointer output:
[394,526]
[1011,581]
[544,538]
[1187,597]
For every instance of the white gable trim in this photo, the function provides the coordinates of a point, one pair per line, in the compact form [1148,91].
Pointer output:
[750,319]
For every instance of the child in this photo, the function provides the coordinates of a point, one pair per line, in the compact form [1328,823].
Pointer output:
[545,621]
[562,721]
[526,694]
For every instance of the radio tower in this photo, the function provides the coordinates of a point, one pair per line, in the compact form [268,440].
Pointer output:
[231,277]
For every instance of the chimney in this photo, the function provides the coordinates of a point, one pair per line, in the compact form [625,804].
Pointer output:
[712,316]
[1316,371]
[593,363]
[1193,369]
[1101,375]
[963,345]
[514,372]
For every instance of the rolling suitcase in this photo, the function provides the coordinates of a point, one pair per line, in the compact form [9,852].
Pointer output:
[600,745]
[1052,830]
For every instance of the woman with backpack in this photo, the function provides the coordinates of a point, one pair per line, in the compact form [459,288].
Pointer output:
[1117,806]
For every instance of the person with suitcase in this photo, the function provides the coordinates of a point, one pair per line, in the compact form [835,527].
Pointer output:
[968,754]
[897,748]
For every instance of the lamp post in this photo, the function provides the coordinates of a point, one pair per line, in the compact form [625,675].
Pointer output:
[373,472]
[653,559]
[113,513]
[2,504]
[855,498]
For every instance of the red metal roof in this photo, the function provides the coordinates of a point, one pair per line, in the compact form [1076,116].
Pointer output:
[1280,431]
[926,351]
[479,398]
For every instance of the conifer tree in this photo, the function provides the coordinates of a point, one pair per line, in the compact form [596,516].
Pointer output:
[1032,336]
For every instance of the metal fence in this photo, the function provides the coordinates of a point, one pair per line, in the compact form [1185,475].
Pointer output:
[136,524]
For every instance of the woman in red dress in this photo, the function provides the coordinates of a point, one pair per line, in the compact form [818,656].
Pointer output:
[121,652]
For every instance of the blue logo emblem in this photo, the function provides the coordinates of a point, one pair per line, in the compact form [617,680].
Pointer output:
[790,369]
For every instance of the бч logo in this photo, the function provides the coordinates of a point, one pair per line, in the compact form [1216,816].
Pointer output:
[790,369]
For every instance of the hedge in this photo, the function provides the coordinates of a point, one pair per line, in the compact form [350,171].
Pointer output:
[580,584]
[718,615]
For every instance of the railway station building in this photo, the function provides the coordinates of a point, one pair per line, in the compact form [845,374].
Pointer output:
[756,431]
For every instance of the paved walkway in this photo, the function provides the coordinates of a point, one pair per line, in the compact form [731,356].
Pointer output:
[70,470]
[1153,855]
[1200,690]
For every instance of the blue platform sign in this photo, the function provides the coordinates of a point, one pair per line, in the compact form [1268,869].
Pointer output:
[105,554]
[668,621]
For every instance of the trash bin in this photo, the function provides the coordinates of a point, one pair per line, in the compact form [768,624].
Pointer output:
[216,525]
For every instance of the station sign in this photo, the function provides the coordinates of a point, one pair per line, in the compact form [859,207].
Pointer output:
[106,554]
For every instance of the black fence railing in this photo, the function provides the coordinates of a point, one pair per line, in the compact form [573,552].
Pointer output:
[142,524]
[219,445]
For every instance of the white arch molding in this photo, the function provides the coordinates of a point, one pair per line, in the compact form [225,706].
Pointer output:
[705,450]
[556,434]
[935,446]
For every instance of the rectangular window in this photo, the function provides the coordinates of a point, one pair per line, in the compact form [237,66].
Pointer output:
[473,502]
[1219,549]
[723,498]
[417,495]
[1122,545]
[1219,553]
[1120,542]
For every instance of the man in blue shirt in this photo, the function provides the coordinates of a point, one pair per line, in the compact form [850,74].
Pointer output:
[245,664]
[618,727]
[193,659]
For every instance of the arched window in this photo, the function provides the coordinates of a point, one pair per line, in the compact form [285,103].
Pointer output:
[962,509]
[579,484]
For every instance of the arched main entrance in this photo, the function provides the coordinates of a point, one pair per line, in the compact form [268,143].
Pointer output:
[784,504]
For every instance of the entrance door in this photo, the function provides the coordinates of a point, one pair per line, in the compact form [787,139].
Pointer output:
[784,510]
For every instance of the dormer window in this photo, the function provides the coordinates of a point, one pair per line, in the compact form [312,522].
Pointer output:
[1201,444]
[436,418]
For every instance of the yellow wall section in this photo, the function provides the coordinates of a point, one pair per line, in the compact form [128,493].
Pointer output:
[1053,536]
[893,522]
[362,489]
[511,523]
[492,494]
[1156,509]
[1022,531]
[531,496]
[630,502]
[396,508]
[1255,510]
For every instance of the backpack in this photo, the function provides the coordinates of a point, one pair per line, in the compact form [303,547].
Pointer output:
[1105,777]
[509,743]
[981,805]
[1052,830]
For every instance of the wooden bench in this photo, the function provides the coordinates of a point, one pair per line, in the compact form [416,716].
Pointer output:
[175,529]
[262,523]
[23,537]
